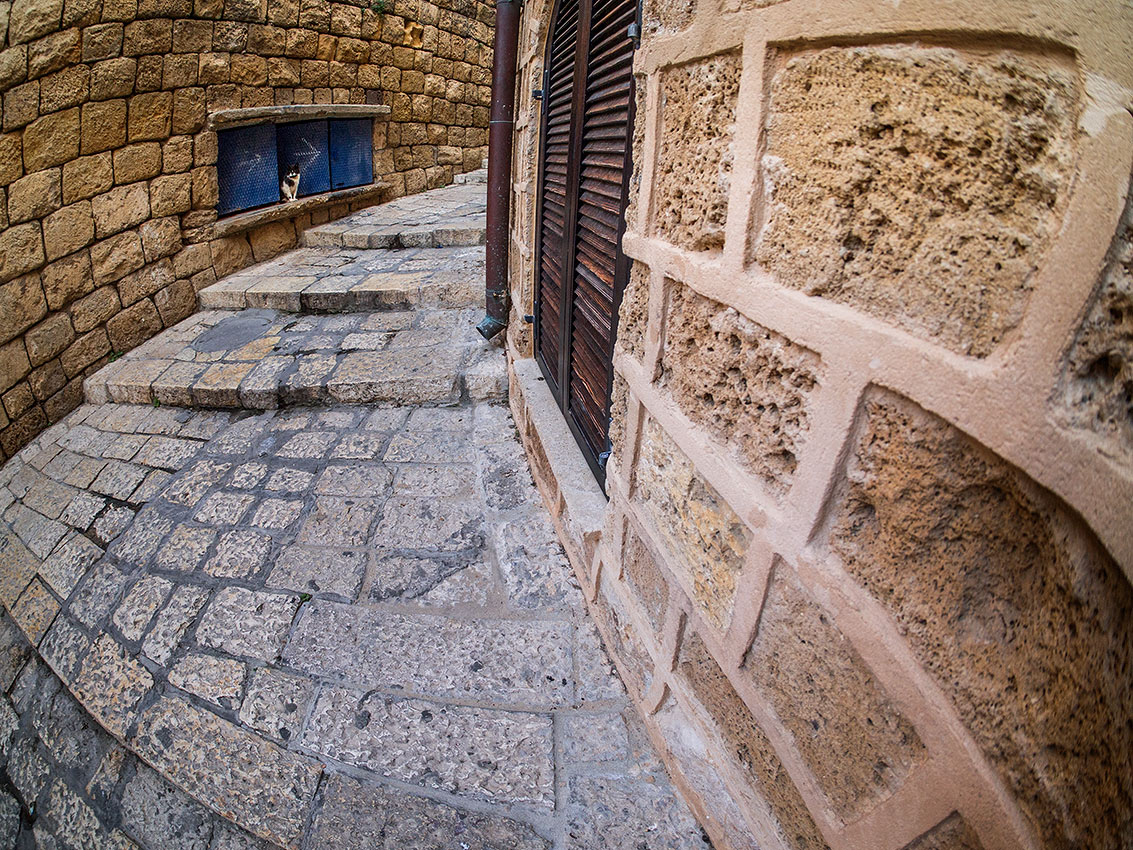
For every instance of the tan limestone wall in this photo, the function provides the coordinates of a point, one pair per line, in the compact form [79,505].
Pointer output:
[107,168]
[865,564]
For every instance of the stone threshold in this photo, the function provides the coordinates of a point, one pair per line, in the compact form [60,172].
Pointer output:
[277,212]
[561,472]
[226,119]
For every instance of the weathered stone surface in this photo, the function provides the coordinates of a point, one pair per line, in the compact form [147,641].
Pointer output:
[859,747]
[594,737]
[276,703]
[504,756]
[503,661]
[941,195]
[218,680]
[161,816]
[695,159]
[264,788]
[748,744]
[360,817]
[246,622]
[634,312]
[173,622]
[745,384]
[111,684]
[141,603]
[617,811]
[34,611]
[950,834]
[322,571]
[705,536]
[1002,595]
[644,576]
[1098,370]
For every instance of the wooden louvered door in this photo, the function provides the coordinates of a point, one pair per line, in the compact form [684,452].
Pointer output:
[584,171]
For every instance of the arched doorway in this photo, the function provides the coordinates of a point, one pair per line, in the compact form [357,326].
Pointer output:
[584,169]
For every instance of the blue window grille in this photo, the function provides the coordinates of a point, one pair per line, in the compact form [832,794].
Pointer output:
[351,152]
[305,144]
[247,173]
[252,161]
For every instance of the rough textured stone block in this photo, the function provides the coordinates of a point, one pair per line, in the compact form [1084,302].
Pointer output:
[707,541]
[857,744]
[694,166]
[1004,597]
[747,385]
[634,312]
[749,745]
[357,817]
[1094,389]
[644,576]
[923,191]
[950,834]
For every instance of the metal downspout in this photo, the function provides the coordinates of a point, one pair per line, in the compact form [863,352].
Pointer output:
[500,126]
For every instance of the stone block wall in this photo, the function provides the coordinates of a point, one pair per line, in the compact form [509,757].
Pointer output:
[865,561]
[108,187]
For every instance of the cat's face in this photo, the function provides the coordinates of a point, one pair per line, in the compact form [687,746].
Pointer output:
[293,172]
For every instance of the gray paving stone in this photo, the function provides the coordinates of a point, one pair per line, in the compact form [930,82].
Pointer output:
[500,661]
[218,680]
[319,570]
[63,647]
[9,820]
[197,480]
[173,622]
[158,815]
[594,738]
[337,521]
[276,703]
[225,507]
[239,554]
[141,603]
[185,548]
[498,755]
[68,563]
[246,622]
[110,685]
[368,817]
[97,594]
[620,811]
[264,788]
[430,523]
[114,521]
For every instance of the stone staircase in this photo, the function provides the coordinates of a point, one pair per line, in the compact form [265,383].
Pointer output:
[378,306]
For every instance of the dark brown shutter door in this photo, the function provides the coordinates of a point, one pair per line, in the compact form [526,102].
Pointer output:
[555,189]
[600,268]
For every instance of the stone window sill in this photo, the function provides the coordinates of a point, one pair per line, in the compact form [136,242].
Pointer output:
[226,119]
[241,222]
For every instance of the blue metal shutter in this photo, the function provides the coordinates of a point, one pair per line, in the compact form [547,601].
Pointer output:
[247,173]
[305,144]
[351,152]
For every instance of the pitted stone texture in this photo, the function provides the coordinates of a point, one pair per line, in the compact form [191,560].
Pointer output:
[1003,595]
[498,755]
[633,315]
[748,386]
[705,536]
[276,703]
[247,622]
[1096,387]
[501,661]
[857,744]
[645,577]
[748,744]
[632,812]
[265,789]
[367,817]
[950,834]
[917,184]
[159,815]
[694,163]
[667,16]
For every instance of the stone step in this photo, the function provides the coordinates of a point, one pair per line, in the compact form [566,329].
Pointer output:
[452,216]
[264,359]
[329,280]
[480,175]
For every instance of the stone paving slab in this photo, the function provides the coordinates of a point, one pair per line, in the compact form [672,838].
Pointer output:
[285,628]
[341,280]
[265,359]
[454,215]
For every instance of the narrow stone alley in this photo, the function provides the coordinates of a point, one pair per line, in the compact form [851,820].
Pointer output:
[285,581]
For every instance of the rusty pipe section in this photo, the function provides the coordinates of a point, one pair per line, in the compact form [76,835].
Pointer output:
[501,122]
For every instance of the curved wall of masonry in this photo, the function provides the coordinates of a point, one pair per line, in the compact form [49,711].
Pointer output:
[865,563]
[108,187]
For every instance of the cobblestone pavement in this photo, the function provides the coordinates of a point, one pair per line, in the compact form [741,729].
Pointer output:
[327,625]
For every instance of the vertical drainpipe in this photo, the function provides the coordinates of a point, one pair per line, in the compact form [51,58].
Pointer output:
[500,125]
